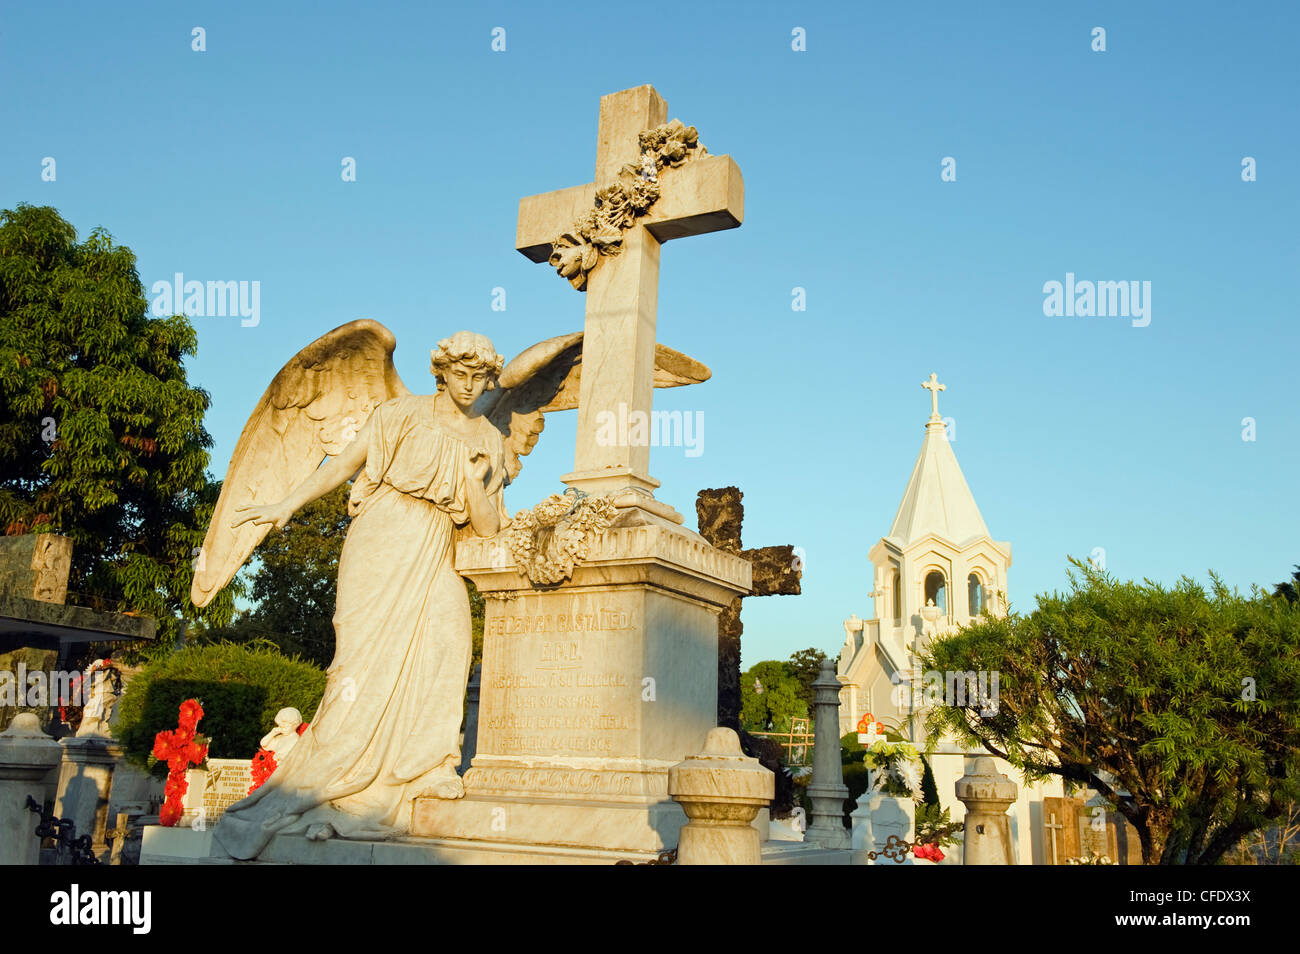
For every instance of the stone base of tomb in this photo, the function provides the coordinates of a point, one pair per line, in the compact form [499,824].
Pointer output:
[591,690]
[182,846]
[615,807]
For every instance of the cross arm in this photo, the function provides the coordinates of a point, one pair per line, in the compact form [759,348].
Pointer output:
[774,571]
[704,195]
[544,216]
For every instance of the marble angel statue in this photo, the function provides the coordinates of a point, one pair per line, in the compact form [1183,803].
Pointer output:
[425,469]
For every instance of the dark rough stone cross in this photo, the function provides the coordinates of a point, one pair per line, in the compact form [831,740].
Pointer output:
[776,572]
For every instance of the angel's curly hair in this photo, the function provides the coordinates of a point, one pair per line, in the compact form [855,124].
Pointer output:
[465,347]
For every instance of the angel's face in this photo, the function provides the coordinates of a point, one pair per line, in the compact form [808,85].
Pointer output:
[464,384]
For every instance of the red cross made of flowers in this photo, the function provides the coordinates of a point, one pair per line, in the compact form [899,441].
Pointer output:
[179,748]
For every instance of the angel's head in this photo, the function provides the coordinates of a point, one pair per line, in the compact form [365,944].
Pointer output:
[465,365]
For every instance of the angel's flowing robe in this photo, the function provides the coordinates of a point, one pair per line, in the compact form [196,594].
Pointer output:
[388,726]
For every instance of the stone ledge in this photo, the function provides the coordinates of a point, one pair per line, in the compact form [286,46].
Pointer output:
[18,614]
[643,828]
[507,778]
[654,554]
[296,849]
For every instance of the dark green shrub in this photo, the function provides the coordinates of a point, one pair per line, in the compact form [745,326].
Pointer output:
[855,770]
[241,687]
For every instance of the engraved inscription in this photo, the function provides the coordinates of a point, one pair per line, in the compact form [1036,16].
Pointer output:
[555,679]
[227,782]
[606,619]
[562,781]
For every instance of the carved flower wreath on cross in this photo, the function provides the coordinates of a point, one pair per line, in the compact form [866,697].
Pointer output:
[599,231]
[550,539]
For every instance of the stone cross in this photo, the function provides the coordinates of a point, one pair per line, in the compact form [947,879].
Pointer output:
[776,572]
[1052,826]
[934,387]
[705,194]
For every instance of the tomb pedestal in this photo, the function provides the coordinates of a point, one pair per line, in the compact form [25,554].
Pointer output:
[27,757]
[591,690]
[85,782]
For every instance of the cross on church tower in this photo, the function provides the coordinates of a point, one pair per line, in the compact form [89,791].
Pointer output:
[934,387]
[705,194]
[777,571]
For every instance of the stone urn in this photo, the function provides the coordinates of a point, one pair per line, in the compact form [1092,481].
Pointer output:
[987,794]
[721,790]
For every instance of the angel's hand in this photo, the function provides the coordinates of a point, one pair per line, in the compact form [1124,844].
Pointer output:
[479,464]
[276,513]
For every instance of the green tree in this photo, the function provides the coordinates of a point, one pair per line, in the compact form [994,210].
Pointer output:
[1289,590]
[806,664]
[101,436]
[1181,707]
[769,697]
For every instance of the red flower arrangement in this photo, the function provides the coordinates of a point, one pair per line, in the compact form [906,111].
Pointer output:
[179,748]
[264,763]
[930,852]
[263,766]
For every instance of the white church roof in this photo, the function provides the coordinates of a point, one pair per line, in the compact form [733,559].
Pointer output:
[937,499]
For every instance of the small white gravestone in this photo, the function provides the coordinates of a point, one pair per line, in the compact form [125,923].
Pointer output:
[877,817]
[790,828]
[214,789]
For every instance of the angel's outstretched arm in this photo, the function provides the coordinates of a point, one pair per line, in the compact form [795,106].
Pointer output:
[324,479]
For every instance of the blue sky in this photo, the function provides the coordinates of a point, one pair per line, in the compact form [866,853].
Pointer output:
[1073,433]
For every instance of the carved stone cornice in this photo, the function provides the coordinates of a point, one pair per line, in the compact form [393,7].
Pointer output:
[632,551]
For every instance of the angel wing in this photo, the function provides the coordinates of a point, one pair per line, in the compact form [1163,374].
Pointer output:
[312,409]
[548,377]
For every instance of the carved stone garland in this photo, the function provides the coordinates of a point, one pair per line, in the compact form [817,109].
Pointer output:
[549,540]
[600,231]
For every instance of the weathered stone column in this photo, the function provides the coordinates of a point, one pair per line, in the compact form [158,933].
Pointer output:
[827,791]
[987,793]
[85,782]
[27,755]
[721,790]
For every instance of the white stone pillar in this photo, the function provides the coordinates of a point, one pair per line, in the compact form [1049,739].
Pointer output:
[987,793]
[27,756]
[827,791]
[721,790]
